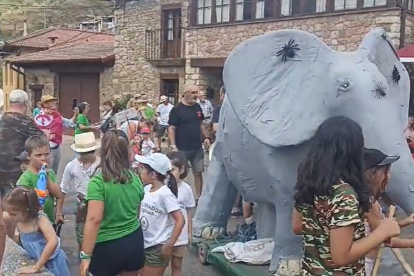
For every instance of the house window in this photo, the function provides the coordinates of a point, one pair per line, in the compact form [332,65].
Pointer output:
[204,12]
[345,4]
[170,26]
[410,4]
[244,10]
[264,8]
[222,11]
[247,10]
[297,7]
[374,3]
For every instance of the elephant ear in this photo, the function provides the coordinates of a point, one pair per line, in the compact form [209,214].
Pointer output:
[378,48]
[277,85]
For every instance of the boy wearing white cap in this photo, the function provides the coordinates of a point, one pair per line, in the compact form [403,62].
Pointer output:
[78,173]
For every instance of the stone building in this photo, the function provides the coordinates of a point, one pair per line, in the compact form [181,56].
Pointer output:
[163,44]
[73,65]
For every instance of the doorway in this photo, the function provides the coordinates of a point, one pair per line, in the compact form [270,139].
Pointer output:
[169,88]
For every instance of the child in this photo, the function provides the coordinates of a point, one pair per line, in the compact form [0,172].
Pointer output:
[147,146]
[377,174]
[159,210]
[331,199]
[23,158]
[38,150]
[78,173]
[186,202]
[35,232]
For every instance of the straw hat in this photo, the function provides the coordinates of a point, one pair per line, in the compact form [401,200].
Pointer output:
[47,98]
[143,100]
[85,142]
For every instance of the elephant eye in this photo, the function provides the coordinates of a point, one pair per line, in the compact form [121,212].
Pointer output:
[344,85]
[380,90]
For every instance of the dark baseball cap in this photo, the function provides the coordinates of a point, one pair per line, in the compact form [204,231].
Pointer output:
[376,158]
[22,157]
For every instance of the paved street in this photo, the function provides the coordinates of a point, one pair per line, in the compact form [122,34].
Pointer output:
[191,264]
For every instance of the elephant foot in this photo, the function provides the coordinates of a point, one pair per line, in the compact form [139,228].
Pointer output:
[209,232]
[288,267]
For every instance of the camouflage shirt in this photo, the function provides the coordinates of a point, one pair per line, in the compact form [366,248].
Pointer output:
[340,209]
[15,129]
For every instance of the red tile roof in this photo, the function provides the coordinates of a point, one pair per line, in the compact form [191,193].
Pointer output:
[80,52]
[41,39]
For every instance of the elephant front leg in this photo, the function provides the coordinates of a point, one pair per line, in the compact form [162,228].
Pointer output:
[287,252]
[215,204]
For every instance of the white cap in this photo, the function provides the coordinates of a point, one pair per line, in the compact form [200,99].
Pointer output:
[18,96]
[157,161]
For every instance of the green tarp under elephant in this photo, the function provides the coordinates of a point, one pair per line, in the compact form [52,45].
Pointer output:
[280,87]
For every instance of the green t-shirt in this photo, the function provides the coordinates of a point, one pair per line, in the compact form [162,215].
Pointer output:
[36,111]
[29,180]
[149,112]
[121,203]
[81,120]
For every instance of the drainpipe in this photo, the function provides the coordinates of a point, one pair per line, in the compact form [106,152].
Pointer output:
[403,16]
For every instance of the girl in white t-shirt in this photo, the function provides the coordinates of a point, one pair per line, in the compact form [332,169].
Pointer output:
[186,202]
[161,218]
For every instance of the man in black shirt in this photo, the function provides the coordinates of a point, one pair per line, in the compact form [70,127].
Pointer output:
[186,131]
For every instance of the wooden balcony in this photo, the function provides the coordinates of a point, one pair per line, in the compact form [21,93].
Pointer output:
[164,47]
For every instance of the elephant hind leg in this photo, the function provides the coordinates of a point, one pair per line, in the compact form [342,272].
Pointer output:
[265,214]
[215,204]
[287,251]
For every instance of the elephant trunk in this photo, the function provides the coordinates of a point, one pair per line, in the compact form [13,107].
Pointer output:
[401,187]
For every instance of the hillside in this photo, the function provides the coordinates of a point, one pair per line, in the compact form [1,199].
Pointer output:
[49,13]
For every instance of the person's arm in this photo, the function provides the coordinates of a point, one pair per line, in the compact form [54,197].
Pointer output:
[69,123]
[407,221]
[374,218]
[10,227]
[94,216]
[171,206]
[3,234]
[215,118]
[51,242]
[172,124]
[83,123]
[31,129]
[297,226]
[56,192]
[345,216]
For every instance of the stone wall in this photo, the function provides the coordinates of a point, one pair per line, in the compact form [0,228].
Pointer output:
[49,79]
[132,73]
[342,32]
[106,85]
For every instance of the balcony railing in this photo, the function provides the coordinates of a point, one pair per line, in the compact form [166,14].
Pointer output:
[163,44]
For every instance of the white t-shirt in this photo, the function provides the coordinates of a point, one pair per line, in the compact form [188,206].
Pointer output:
[186,201]
[147,146]
[76,176]
[164,111]
[156,220]
[125,126]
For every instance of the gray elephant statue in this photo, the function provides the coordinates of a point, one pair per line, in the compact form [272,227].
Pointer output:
[280,87]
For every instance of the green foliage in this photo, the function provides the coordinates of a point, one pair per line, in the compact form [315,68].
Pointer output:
[123,101]
[55,12]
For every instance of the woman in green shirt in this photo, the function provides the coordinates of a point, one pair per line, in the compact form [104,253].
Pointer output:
[113,240]
[82,121]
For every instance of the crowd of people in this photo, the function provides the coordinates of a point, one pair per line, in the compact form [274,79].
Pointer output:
[133,212]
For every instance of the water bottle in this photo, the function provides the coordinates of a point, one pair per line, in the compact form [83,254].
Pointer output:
[41,185]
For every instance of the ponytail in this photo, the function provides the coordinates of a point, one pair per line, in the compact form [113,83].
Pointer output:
[172,184]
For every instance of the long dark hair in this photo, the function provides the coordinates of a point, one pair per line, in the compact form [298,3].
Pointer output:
[336,154]
[115,109]
[172,182]
[115,158]
[178,159]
